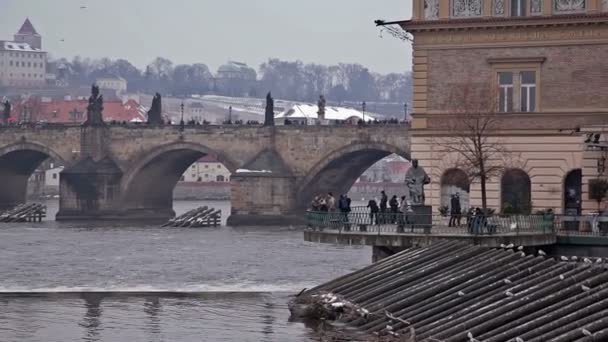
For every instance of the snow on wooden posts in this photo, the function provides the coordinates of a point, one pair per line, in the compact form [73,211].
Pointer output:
[33,212]
[197,218]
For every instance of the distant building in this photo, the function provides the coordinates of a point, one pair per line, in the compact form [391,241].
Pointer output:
[51,176]
[207,170]
[22,61]
[235,79]
[306,114]
[115,83]
[74,111]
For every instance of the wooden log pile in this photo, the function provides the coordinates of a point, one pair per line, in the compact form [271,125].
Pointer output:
[32,212]
[197,218]
[453,292]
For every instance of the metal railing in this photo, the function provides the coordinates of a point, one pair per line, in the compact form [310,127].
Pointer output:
[360,219]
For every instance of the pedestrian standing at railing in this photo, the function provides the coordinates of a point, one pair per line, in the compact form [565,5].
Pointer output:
[331,202]
[344,207]
[373,211]
[394,204]
[455,211]
[383,206]
[402,211]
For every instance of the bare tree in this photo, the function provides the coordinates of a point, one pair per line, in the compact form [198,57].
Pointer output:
[472,137]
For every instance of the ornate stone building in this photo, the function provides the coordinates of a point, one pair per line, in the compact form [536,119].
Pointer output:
[540,68]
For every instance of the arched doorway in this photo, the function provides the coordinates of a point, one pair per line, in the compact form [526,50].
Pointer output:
[455,181]
[573,188]
[516,192]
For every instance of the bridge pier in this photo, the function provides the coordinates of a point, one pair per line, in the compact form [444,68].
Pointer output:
[263,199]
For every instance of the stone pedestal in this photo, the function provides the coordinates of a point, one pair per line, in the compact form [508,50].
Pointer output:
[423,217]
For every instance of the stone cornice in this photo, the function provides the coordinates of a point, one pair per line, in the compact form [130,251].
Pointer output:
[414,26]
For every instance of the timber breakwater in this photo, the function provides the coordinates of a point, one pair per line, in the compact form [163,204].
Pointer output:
[454,292]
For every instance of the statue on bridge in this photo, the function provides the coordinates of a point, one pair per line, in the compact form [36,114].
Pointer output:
[95,107]
[6,114]
[269,117]
[415,179]
[321,104]
[155,113]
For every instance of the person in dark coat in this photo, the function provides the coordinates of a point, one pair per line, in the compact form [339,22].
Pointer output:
[394,204]
[383,206]
[373,211]
[455,211]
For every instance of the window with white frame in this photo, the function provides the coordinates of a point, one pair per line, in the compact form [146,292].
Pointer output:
[505,92]
[528,91]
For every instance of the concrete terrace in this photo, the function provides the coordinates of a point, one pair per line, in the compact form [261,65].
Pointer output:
[455,292]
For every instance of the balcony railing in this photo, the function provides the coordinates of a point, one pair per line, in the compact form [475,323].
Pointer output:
[360,219]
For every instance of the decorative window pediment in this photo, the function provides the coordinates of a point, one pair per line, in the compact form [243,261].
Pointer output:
[565,6]
[466,8]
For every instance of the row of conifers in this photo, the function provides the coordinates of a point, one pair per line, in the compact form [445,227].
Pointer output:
[197,218]
[453,292]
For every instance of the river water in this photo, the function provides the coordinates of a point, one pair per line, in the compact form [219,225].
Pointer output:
[96,281]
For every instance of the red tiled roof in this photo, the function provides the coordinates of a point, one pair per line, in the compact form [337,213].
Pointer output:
[74,111]
[27,28]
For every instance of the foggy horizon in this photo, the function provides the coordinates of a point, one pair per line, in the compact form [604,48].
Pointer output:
[214,33]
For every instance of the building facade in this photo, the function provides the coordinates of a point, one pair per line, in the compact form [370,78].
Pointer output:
[22,60]
[536,67]
[118,84]
[206,170]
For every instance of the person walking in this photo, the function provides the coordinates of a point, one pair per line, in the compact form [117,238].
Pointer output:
[383,206]
[455,211]
[373,211]
[394,204]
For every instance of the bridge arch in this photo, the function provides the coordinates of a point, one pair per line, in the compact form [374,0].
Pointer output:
[338,170]
[148,183]
[17,163]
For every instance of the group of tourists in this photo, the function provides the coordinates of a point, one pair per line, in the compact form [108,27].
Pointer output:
[389,210]
[328,203]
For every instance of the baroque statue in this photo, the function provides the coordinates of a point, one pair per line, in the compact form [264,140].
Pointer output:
[95,107]
[6,114]
[269,117]
[415,179]
[155,113]
[321,104]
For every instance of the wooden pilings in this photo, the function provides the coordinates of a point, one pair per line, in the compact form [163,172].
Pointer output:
[32,212]
[197,218]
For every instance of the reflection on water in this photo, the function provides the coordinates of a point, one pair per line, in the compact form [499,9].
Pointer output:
[114,282]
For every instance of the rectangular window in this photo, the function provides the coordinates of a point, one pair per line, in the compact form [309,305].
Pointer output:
[528,91]
[54,176]
[505,92]
[518,8]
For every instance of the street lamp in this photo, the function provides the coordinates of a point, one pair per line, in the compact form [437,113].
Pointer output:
[230,115]
[405,109]
[363,105]
[181,122]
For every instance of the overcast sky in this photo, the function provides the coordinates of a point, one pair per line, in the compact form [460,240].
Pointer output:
[214,31]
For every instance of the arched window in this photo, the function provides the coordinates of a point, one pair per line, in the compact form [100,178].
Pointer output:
[455,181]
[516,192]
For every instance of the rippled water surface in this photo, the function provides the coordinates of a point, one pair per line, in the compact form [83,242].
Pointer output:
[99,282]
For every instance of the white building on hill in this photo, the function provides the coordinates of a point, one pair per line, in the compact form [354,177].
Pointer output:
[306,114]
[22,60]
[206,170]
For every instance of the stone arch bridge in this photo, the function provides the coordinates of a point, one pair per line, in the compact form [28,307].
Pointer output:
[129,172]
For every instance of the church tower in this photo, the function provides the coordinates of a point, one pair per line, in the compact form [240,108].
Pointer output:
[27,34]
